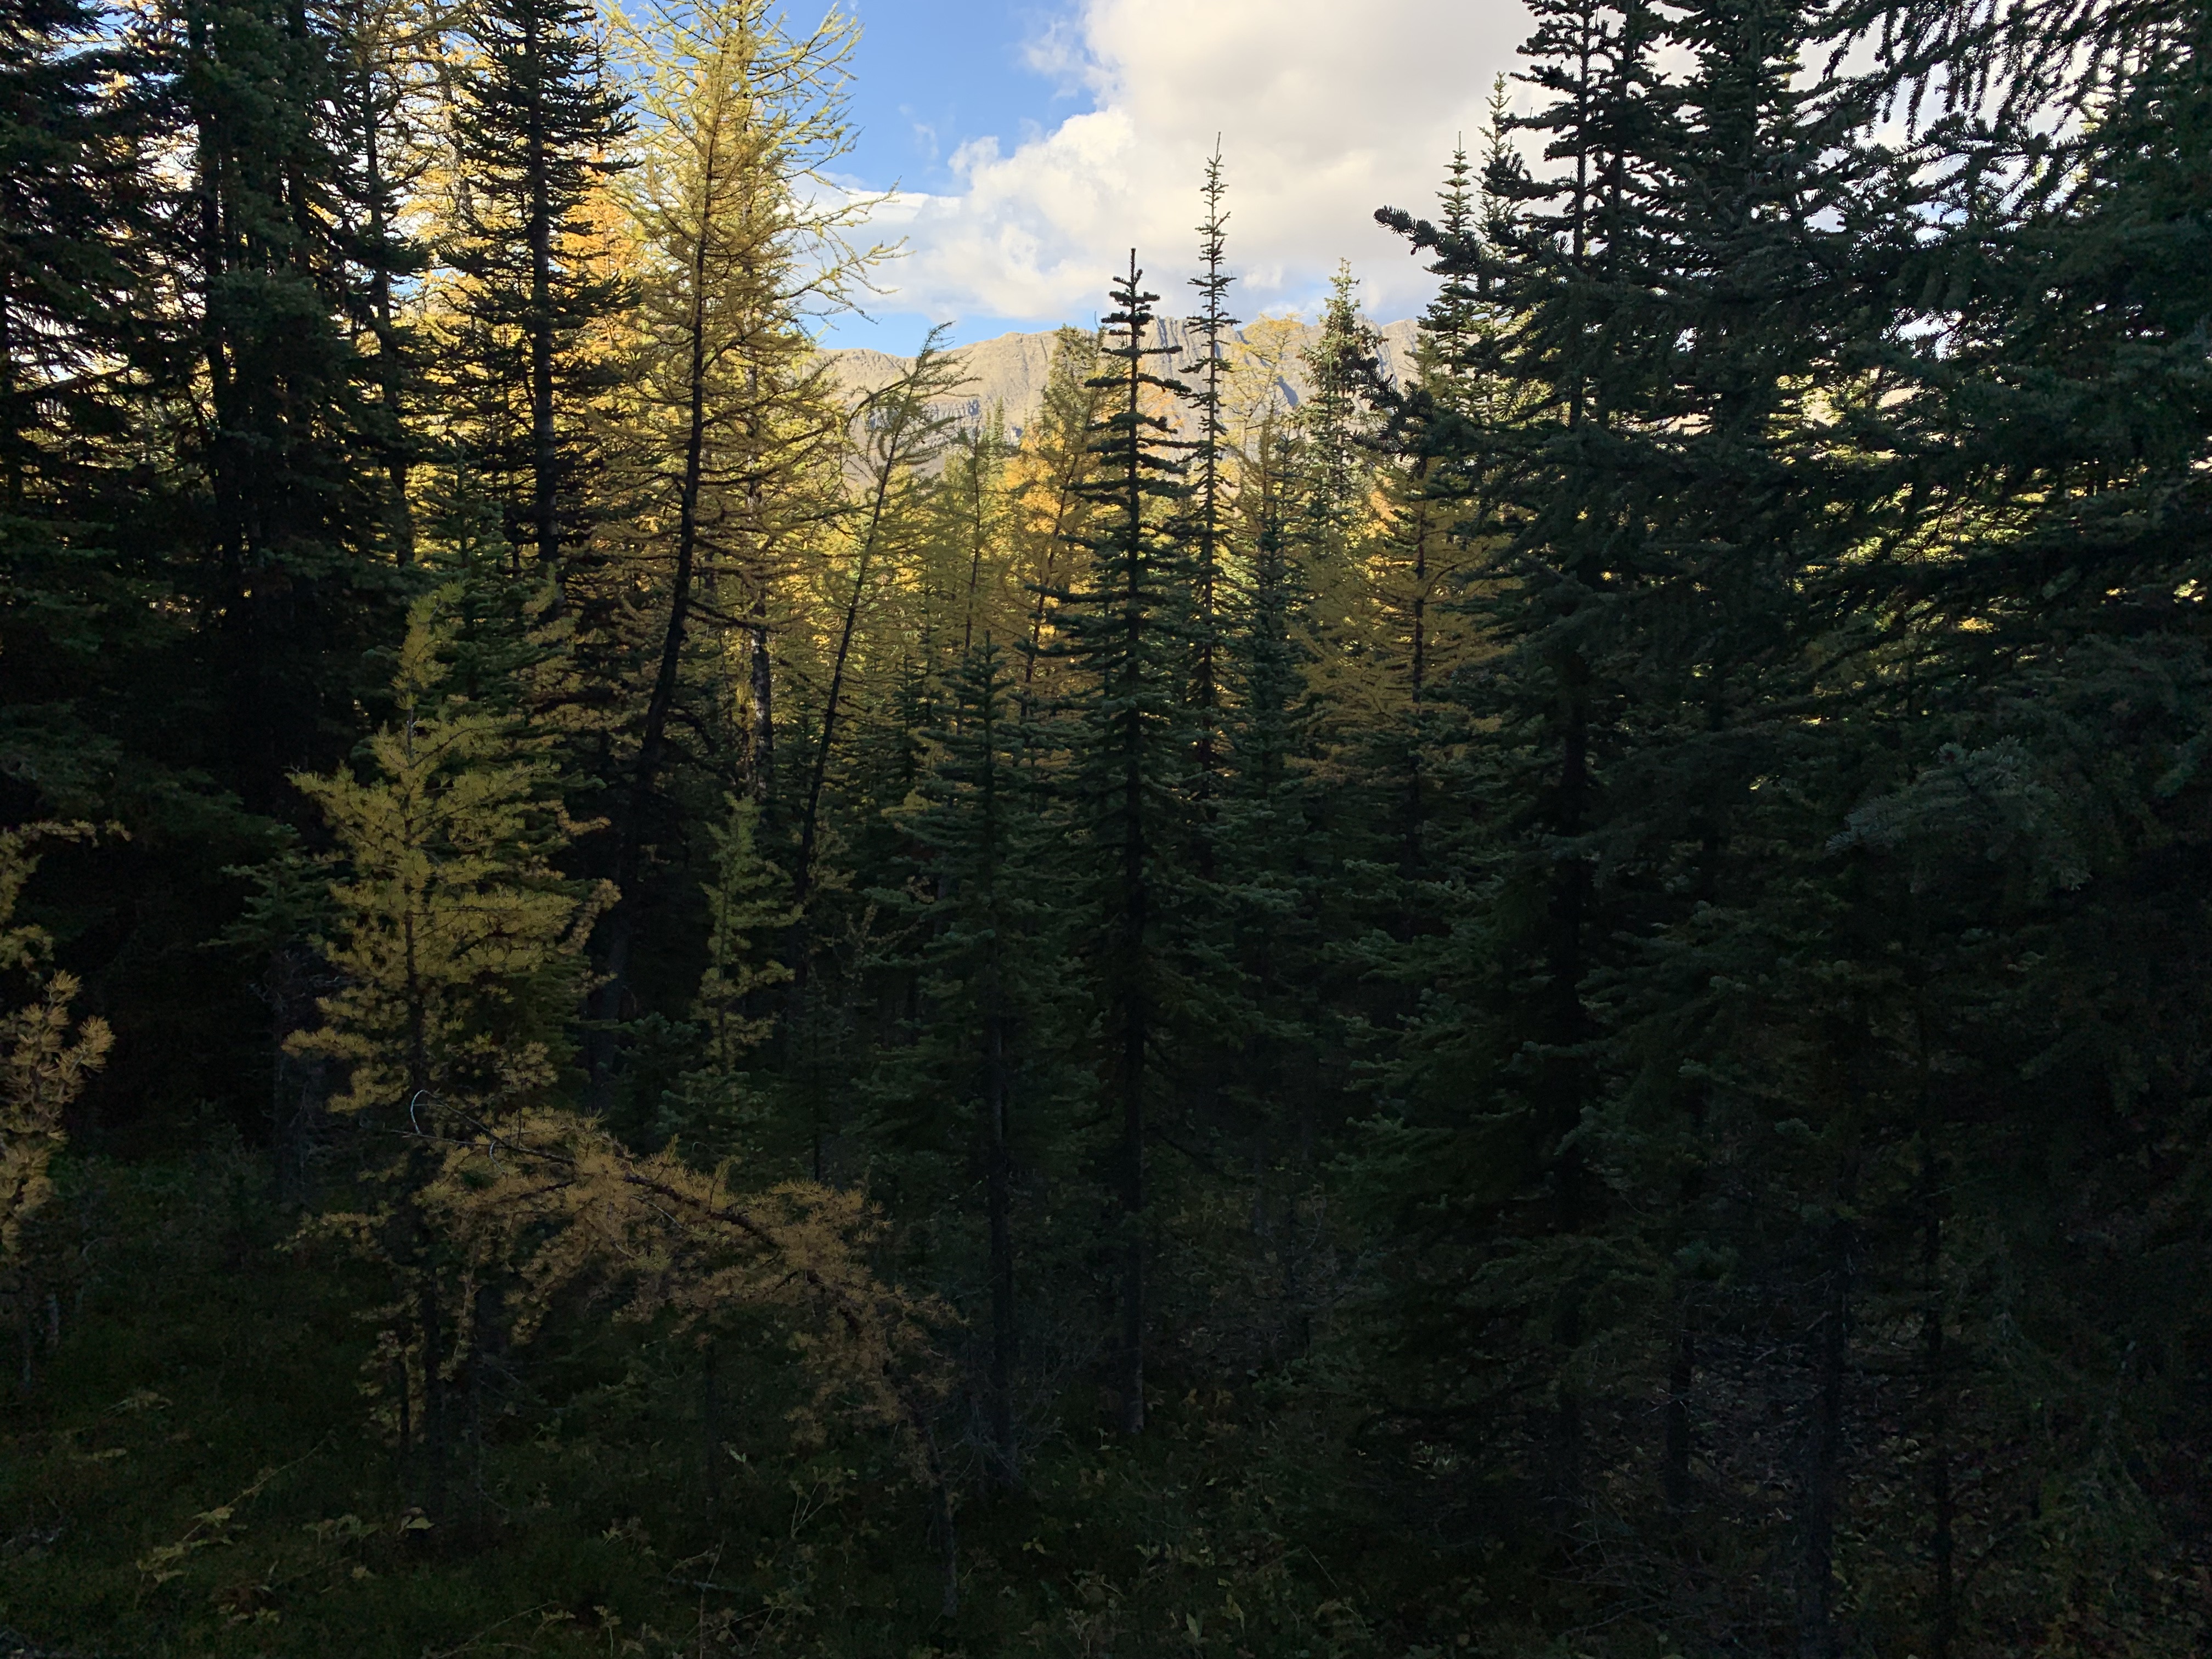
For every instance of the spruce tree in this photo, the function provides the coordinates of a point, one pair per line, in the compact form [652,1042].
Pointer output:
[1271,866]
[1126,632]
[379,116]
[289,458]
[77,215]
[1205,527]
[2019,840]
[966,1092]
[537,134]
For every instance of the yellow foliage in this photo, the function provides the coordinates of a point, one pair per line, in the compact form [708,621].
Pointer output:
[554,1201]
[462,952]
[43,1060]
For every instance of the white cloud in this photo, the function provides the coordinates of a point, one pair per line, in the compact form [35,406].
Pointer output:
[1326,111]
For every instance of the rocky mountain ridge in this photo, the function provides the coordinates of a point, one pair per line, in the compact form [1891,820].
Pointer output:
[1009,372]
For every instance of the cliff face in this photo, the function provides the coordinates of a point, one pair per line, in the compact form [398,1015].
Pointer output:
[1009,372]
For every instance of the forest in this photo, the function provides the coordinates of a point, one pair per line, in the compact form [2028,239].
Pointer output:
[1557,1006]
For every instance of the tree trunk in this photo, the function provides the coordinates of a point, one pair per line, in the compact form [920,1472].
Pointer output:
[399,515]
[436,1414]
[710,1424]
[622,925]
[543,452]
[802,879]
[760,760]
[1944,1615]
[1821,1488]
[998,1198]
[1681,1377]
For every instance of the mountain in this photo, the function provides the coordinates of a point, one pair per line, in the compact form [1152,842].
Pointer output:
[1009,372]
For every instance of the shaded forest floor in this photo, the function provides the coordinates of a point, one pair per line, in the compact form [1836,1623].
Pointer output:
[193,1468]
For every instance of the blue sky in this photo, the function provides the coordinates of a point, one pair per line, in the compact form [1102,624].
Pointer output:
[1023,186]
[930,75]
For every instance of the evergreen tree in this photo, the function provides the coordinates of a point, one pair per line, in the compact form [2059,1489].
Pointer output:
[537,132]
[972,495]
[288,457]
[747,916]
[1126,634]
[1334,422]
[986,942]
[77,213]
[378,116]
[1272,864]
[1205,528]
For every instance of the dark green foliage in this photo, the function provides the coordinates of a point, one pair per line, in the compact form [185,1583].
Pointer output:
[1126,626]
[536,131]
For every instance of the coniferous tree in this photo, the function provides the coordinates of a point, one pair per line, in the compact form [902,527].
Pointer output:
[1272,863]
[287,457]
[748,912]
[1655,550]
[1205,531]
[537,131]
[1125,633]
[742,116]
[379,116]
[76,214]
[978,1068]
[2027,623]
[903,432]
[462,940]
[461,952]
[1050,508]
[961,589]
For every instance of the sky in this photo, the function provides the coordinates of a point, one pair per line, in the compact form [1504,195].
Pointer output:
[1033,145]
